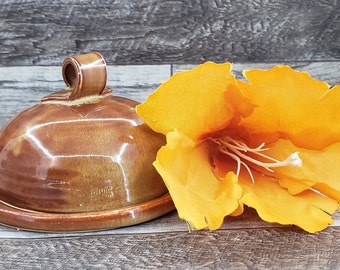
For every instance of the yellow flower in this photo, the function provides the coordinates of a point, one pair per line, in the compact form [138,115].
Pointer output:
[271,143]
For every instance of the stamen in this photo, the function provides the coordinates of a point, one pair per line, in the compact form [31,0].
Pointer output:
[237,150]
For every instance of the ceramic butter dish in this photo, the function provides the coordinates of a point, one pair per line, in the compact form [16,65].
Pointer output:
[81,159]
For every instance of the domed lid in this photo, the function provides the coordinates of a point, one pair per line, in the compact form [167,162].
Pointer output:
[81,159]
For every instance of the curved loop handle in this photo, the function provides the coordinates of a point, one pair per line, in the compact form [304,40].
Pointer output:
[85,75]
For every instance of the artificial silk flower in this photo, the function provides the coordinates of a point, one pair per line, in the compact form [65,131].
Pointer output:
[270,142]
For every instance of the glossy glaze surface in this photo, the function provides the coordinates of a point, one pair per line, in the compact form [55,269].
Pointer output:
[60,158]
[81,159]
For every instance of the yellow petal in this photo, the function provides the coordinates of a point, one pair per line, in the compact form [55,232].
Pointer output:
[294,186]
[293,105]
[320,168]
[274,203]
[200,198]
[202,100]
[308,210]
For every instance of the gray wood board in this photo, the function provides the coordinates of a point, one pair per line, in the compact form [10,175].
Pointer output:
[22,87]
[266,248]
[244,242]
[160,31]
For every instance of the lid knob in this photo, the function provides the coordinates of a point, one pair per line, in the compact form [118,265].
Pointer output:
[84,75]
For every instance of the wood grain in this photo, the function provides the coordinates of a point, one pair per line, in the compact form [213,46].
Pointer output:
[268,248]
[144,42]
[325,71]
[22,87]
[161,32]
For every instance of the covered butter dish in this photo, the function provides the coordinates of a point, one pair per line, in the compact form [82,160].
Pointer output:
[81,159]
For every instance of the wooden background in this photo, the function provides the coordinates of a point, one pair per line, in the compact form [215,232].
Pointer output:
[144,42]
[173,31]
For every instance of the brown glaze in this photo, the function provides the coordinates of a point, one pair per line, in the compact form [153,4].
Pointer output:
[85,76]
[81,159]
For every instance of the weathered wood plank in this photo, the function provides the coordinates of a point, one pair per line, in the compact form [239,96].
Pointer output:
[243,242]
[158,32]
[325,71]
[164,32]
[22,87]
[241,249]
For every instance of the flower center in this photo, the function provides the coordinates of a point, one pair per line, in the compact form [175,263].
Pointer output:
[239,152]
